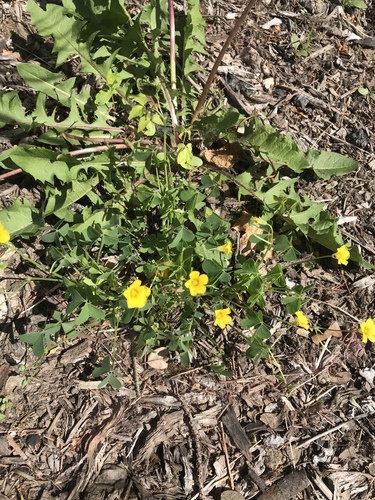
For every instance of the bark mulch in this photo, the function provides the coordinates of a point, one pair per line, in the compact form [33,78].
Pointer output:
[297,425]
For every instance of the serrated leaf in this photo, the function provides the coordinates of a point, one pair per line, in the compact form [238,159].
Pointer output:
[11,110]
[67,33]
[41,164]
[194,37]
[277,147]
[304,219]
[326,164]
[47,82]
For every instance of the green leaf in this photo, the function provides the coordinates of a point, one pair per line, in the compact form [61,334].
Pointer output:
[59,201]
[21,219]
[76,300]
[47,82]
[11,110]
[217,125]
[110,380]
[36,340]
[252,319]
[221,370]
[184,234]
[363,91]
[292,303]
[103,368]
[359,4]
[194,37]
[295,41]
[67,33]
[263,332]
[41,163]
[257,350]
[185,155]
[89,311]
[136,112]
[213,270]
[327,164]
[277,147]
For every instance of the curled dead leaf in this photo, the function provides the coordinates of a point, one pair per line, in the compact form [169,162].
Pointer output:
[249,225]
[156,361]
[225,157]
[333,330]
[11,55]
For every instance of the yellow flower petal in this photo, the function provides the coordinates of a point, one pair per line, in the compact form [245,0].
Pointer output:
[4,235]
[367,328]
[342,255]
[196,283]
[226,248]
[301,320]
[222,318]
[136,295]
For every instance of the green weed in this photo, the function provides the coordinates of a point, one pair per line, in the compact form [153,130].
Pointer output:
[358,4]
[300,47]
[4,405]
[127,219]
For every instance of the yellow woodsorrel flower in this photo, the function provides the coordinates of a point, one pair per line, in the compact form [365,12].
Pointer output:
[196,283]
[367,328]
[226,248]
[342,255]
[222,318]
[136,295]
[301,320]
[4,235]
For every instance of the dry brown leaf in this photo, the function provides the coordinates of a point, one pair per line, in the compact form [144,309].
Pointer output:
[156,361]
[333,330]
[248,225]
[13,55]
[225,157]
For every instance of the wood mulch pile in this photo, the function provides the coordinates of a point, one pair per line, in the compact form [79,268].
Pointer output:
[298,425]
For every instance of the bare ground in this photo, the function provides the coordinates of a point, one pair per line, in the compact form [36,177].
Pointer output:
[299,425]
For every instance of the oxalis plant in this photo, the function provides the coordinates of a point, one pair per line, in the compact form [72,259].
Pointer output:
[127,216]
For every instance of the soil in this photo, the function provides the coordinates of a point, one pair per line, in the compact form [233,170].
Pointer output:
[299,425]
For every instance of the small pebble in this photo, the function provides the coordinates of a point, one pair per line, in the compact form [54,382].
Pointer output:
[300,101]
[359,138]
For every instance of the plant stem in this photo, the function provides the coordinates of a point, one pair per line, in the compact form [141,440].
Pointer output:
[41,267]
[172,44]
[212,74]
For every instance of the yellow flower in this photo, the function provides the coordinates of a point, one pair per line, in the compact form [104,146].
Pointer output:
[301,320]
[226,248]
[367,328]
[4,235]
[136,295]
[222,318]
[342,255]
[196,283]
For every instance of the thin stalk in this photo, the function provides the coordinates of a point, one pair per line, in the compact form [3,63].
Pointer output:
[212,74]
[116,321]
[172,31]
[41,267]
